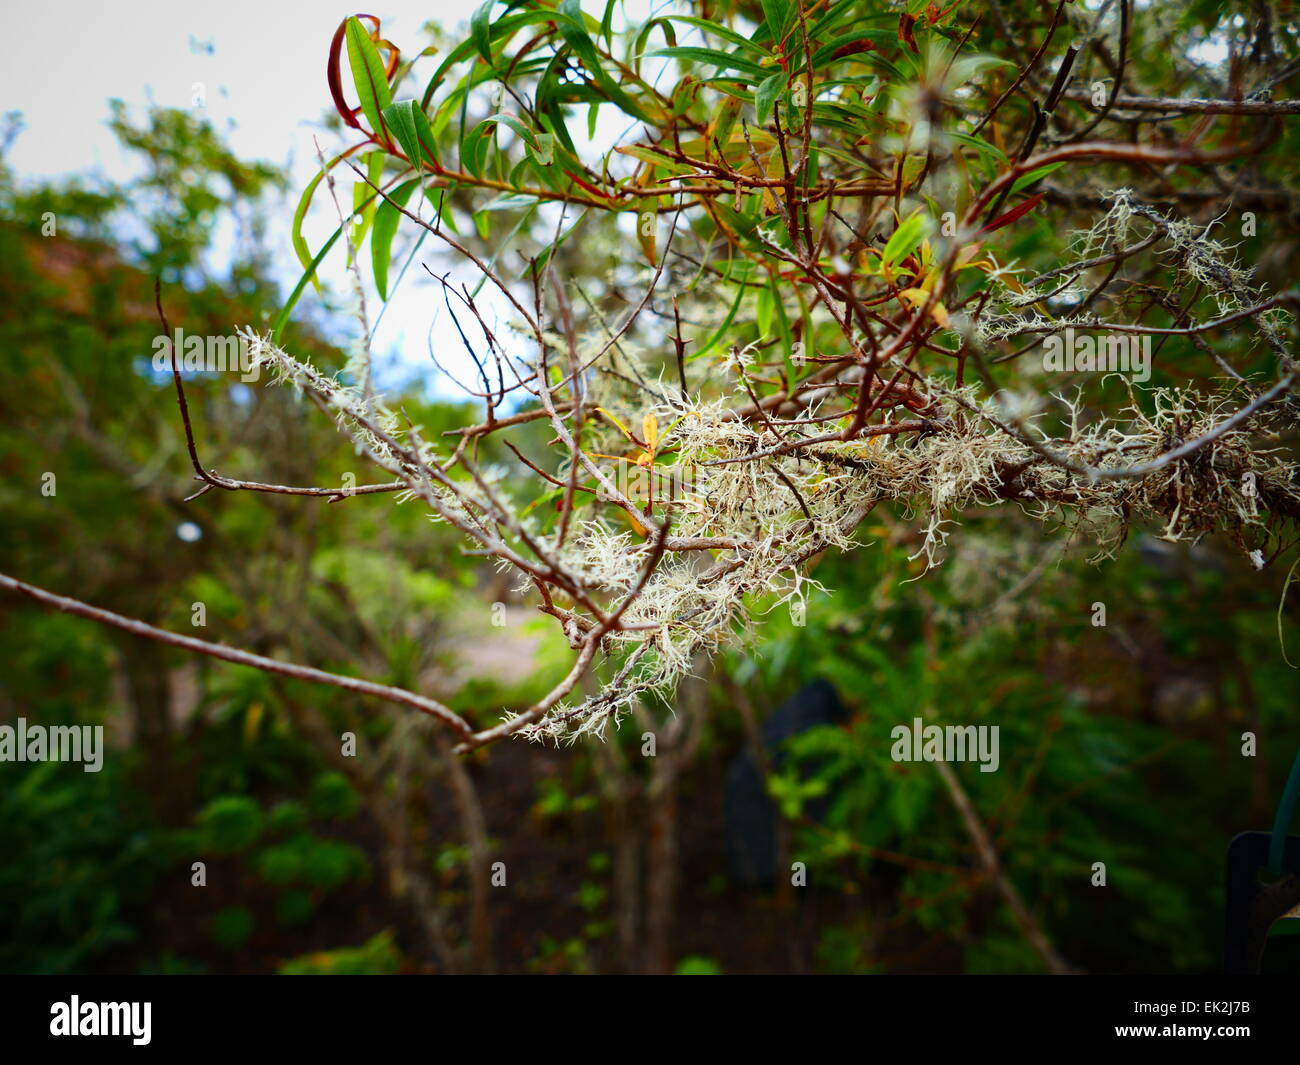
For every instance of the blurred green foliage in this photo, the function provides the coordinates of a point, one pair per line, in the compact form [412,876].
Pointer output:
[378,956]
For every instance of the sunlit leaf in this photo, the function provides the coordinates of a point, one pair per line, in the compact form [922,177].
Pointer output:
[765,96]
[387,217]
[410,126]
[906,238]
[368,75]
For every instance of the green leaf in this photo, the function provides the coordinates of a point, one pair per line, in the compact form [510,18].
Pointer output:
[783,324]
[411,127]
[980,145]
[543,149]
[439,200]
[713,57]
[510,201]
[1025,180]
[387,217]
[474,148]
[525,134]
[282,319]
[723,329]
[299,214]
[607,23]
[766,94]
[906,239]
[499,30]
[573,29]
[363,195]
[649,155]
[744,223]
[776,13]
[724,32]
[875,59]
[368,75]
[852,8]
[304,202]
[844,157]
[763,311]
[967,68]
[479,30]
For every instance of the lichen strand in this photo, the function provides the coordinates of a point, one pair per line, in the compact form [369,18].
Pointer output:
[693,604]
[765,498]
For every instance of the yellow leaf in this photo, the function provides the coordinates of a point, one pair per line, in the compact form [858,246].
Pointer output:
[645,232]
[650,431]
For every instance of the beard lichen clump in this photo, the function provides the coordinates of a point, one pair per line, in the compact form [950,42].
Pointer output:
[747,502]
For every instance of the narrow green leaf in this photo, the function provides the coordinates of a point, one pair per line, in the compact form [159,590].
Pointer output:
[544,149]
[479,31]
[980,145]
[387,217]
[282,319]
[607,23]
[474,148]
[510,201]
[906,239]
[410,126]
[638,45]
[763,312]
[852,8]
[724,60]
[776,13]
[525,134]
[363,195]
[500,30]
[1025,180]
[368,75]
[722,330]
[439,200]
[778,290]
[725,32]
[299,214]
[766,94]
[304,202]
[572,26]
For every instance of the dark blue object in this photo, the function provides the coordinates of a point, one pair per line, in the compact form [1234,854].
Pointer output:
[1252,901]
[751,815]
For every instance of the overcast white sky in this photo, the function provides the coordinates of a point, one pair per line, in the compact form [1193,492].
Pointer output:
[267,69]
[263,68]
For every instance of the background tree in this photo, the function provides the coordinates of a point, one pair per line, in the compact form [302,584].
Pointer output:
[787,291]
